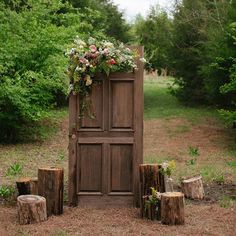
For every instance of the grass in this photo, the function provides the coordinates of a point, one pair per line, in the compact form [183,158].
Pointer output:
[159,103]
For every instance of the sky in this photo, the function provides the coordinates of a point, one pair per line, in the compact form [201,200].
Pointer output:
[133,7]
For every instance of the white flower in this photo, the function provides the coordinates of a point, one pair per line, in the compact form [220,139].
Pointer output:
[165,165]
[143,60]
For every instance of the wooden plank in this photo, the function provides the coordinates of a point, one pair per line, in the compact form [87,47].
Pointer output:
[72,175]
[138,124]
[117,140]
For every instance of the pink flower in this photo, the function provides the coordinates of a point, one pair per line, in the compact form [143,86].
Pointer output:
[112,61]
[93,48]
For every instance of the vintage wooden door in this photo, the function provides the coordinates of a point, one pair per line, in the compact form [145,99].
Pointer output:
[105,152]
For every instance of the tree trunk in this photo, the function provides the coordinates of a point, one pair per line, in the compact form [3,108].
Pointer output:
[31,209]
[23,186]
[193,188]
[50,186]
[150,176]
[172,208]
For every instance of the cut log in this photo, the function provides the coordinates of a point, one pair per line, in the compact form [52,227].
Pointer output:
[193,188]
[50,186]
[31,209]
[172,208]
[23,186]
[27,186]
[150,176]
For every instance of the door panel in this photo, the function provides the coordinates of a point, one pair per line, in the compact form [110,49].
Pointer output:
[122,104]
[94,103]
[121,167]
[90,168]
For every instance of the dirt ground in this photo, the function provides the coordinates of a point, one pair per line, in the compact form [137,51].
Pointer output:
[162,138]
[200,220]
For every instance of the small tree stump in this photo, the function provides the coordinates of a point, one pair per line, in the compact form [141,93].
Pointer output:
[50,186]
[172,208]
[27,186]
[31,209]
[150,176]
[193,188]
[23,186]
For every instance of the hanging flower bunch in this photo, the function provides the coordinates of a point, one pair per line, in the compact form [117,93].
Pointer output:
[92,57]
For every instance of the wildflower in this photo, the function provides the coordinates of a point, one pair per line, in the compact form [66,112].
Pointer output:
[88,80]
[112,61]
[93,48]
[165,165]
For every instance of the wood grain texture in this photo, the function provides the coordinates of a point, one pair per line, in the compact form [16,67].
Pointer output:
[72,164]
[193,188]
[150,176]
[51,186]
[31,209]
[172,208]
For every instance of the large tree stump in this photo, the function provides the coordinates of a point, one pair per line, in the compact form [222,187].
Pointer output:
[172,208]
[193,188]
[150,176]
[31,209]
[50,186]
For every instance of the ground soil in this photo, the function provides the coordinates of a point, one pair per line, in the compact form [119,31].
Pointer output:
[161,137]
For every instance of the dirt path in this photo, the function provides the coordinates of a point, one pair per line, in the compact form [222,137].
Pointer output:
[200,220]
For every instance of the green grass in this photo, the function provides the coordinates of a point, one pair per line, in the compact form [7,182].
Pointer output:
[159,103]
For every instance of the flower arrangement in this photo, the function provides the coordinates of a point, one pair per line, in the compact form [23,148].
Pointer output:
[153,204]
[168,167]
[91,57]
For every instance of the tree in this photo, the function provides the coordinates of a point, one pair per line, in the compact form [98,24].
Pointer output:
[155,33]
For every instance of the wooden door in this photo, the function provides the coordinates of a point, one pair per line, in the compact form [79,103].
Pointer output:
[105,152]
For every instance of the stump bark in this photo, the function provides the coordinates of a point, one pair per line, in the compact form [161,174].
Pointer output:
[50,186]
[172,208]
[150,176]
[193,188]
[34,186]
[31,209]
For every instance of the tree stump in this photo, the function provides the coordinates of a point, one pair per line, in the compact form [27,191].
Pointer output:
[193,188]
[172,208]
[31,209]
[50,186]
[27,186]
[150,176]
[23,186]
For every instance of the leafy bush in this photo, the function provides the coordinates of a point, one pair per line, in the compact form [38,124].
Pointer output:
[33,40]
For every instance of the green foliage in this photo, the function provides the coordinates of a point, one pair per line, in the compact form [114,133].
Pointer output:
[227,201]
[34,35]
[6,191]
[155,33]
[14,169]
[193,151]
